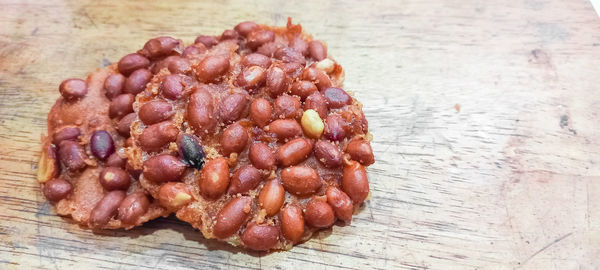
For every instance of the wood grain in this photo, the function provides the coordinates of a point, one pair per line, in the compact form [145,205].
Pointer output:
[484,116]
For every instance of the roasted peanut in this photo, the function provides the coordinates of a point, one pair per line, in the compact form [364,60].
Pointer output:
[134,206]
[256,59]
[121,105]
[285,128]
[292,69]
[244,179]
[233,107]
[234,139]
[287,54]
[172,87]
[294,151]
[211,68]
[232,216]
[154,137]
[318,77]
[230,35]
[257,38]
[106,208]
[360,150]
[277,82]
[286,106]
[335,128]
[300,180]
[163,168]
[317,102]
[124,125]
[317,50]
[155,111]
[340,202]
[102,144]
[328,154]
[179,65]
[337,97]
[113,85]
[132,62]
[193,50]
[312,125]
[72,155]
[355,182]
[260,237]
[299,45]
[303,89]
[57,189]
[174,195]
[292,223]
[271,197]
[251,78]
[326,65]
[160,46]
[207,41]
[244,28]
[115,160]
[200,111]
[318,213]
[48,165]
[136,82]
[261,156]
[214,178]
[260,112]
[72,89]
[112,178]
[66,133]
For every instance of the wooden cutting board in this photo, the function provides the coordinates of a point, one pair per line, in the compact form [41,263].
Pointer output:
[485,119]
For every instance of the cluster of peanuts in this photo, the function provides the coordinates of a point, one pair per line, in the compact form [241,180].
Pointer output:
[247,136]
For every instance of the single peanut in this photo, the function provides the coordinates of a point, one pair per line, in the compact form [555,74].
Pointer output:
[286,106]
[285,128]
[133,207]
[174,195]
[340,202]
[234,139]
[318,213]
[163,168]
[355,182]
[292,223]
[112,178]
[201,112]
[260,237]
[48,165]
[360,150]
[261,156]
[244,179]
[106,208]
[294,151]
[57,189]
[301,180]
[271,197]
[214,178]
[155,111]
[156,136]
[260,112]
[328,154]
[312,125]
[232,216]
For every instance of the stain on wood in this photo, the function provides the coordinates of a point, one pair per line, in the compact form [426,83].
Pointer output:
[510,178]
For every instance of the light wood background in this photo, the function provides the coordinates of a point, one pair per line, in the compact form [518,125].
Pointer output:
[485,116]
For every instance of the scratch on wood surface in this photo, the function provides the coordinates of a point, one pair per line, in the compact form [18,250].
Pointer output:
[546,247]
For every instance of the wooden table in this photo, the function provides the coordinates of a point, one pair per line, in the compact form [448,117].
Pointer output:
[484,114]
